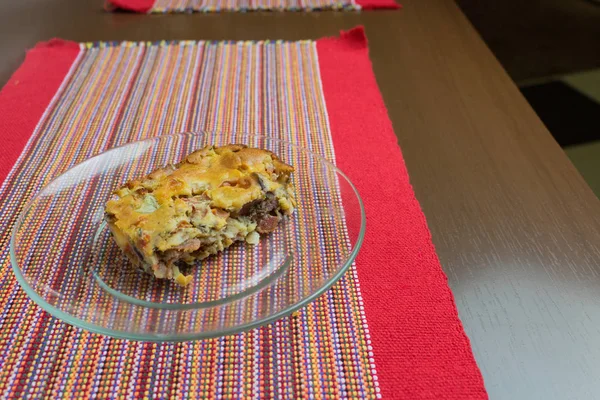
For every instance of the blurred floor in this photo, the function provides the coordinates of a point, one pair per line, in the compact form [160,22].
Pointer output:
[586,158]
[570,108]
[539,38]
[587,82]
[568,113]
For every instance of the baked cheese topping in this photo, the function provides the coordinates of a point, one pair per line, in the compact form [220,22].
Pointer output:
[215,196]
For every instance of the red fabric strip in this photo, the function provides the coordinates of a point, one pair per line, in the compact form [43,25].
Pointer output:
[139,6]
[27,94]
[421,349]
[378,4]
[143,6]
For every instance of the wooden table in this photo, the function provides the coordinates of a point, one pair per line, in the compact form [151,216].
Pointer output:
[516,227]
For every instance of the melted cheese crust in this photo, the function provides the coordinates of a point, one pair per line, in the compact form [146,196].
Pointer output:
[176,203]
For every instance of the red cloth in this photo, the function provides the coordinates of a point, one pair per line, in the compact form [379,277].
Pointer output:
[378,4]
[143,6]
[27,94]
[420,348]
[138,6]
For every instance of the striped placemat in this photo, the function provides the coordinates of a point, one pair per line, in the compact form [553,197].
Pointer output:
[188,6]
[320,94]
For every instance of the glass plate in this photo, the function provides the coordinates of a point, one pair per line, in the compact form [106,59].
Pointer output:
[64,257]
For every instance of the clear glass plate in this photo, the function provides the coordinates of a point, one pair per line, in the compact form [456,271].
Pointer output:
[65,259]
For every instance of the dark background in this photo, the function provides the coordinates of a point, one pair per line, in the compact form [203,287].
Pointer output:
[538,38]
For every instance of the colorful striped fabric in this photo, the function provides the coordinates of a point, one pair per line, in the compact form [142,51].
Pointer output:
[119,92]
[163,6]
[183,6]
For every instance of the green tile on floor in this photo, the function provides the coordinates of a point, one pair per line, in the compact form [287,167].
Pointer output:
[587,82]
[570,115]
[586,158]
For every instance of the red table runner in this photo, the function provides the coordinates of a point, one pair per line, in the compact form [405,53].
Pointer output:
[174,6]
[406,341]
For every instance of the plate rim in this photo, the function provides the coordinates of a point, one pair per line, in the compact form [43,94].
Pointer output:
[155,337]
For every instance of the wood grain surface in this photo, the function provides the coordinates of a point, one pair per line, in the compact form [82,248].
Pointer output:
[516,228]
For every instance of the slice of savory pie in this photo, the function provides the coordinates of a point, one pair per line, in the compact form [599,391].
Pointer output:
[186,212]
